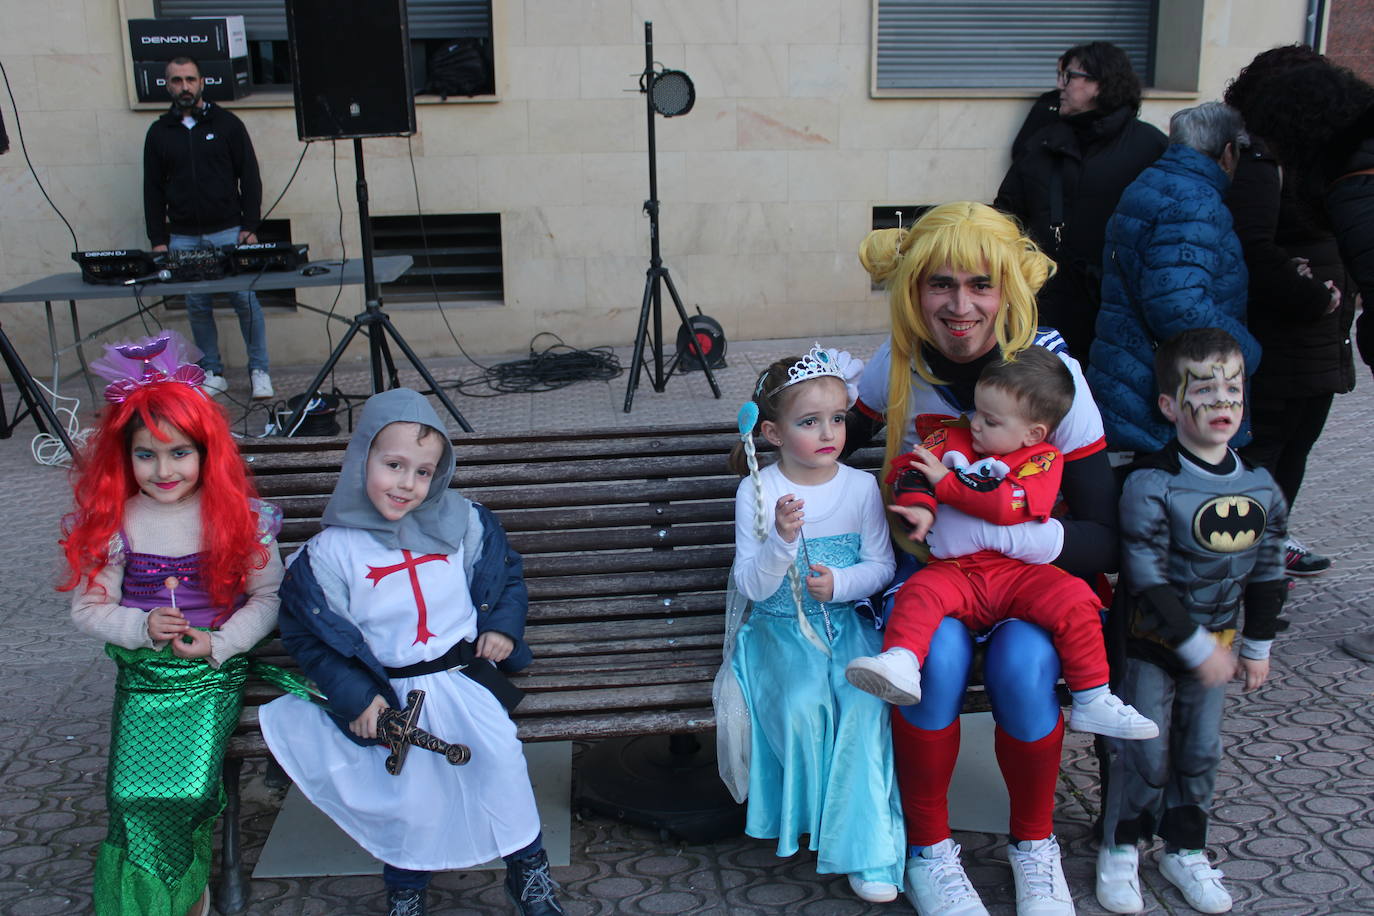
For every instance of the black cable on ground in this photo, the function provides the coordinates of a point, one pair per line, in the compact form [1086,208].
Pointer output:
[556,366]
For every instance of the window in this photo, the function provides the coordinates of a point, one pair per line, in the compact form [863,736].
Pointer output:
[457,257]
[434,25]
[1012,44]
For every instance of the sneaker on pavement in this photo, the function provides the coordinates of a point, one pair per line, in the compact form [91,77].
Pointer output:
[937,886]
[872,891]
[406,902]
[530,886]
[1361,645]
[1118,878]
[1040,886]
[1196,879]
[214,383]
[894,676]
[1105,714]
[1303,562]
[262,384]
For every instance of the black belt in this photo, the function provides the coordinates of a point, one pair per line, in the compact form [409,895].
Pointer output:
[463,656]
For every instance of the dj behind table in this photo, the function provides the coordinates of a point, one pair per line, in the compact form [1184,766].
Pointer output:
[261,266]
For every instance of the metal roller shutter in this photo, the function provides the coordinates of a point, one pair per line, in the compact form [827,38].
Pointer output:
[1001,44]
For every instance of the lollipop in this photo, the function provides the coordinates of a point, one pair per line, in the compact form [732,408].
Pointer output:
[172,582]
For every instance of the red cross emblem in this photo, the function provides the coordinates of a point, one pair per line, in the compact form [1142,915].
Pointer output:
[412,562]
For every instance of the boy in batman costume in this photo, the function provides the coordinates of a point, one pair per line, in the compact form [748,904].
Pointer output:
[1202,535]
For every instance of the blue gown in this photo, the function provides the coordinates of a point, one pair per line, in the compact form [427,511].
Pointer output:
[821,750]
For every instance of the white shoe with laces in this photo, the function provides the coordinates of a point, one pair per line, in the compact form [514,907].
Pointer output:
[1118,878]
[936,883]
[1040,886]
[1107,715]
[1196,879]
[894,676]
[262,384]
[872,891]
[214,384]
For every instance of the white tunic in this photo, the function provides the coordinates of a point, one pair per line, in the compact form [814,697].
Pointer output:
[433,816]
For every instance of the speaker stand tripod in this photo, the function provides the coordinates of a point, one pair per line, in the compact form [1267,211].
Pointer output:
[377,324]
[34,404]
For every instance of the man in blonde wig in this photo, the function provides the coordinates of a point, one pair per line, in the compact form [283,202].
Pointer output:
[961,284]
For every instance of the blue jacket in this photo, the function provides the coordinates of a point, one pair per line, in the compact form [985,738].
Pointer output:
[1171,262]
[331,650]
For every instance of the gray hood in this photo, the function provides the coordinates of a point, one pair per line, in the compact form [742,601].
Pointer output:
[437,525]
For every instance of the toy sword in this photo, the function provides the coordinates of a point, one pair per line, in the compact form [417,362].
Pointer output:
[397,729]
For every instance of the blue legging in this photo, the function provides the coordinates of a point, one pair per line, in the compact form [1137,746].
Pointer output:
[1020,669]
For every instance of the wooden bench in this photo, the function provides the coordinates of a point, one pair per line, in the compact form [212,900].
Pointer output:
[627,538]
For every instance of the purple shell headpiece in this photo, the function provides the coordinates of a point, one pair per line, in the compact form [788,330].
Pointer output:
[167,357]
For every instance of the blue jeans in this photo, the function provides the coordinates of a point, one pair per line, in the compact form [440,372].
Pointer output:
[200,309]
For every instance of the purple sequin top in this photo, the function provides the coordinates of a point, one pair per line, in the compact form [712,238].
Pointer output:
[145,586]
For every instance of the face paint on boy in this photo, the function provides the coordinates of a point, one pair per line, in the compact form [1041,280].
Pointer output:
[1221,389]
[1209,405]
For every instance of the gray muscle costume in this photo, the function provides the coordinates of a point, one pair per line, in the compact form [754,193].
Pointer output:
[1196,545]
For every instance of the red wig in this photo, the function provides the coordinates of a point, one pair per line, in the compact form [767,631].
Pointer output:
[103,482]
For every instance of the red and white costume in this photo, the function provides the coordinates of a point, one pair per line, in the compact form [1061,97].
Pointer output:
[1015,492]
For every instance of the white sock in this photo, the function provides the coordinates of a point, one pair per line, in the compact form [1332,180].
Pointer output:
[1083,697]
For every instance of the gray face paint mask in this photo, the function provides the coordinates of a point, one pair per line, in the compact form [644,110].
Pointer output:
[437,525]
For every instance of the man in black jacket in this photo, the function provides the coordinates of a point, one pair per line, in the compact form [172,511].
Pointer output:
[201,189]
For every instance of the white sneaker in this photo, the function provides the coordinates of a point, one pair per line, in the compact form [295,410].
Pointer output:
[1118,878]
[1196,879]
[1105,714]
[894,676]
[262,384]
[872,891]
[214,384]
[937,886]
[1040,886]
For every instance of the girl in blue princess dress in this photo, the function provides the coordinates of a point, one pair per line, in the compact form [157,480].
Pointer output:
[812,753]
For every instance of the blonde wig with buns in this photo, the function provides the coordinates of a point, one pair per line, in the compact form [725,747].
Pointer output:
[968,236]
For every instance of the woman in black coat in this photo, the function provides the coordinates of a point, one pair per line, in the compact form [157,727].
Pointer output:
[1066,184]
[1301,317]
[1319,118]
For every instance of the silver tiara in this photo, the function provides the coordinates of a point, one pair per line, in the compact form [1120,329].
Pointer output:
[820,362]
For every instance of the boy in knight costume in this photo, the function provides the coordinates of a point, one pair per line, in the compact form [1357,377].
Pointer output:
[411,586]
[1202,535]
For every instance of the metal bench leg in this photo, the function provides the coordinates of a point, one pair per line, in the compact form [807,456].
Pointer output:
[232,894]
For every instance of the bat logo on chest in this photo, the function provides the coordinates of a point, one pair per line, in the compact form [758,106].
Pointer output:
[1229,524]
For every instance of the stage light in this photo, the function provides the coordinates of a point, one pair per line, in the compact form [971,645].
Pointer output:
[671,93]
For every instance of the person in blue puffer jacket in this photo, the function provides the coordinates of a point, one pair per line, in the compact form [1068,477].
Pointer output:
[1171,262]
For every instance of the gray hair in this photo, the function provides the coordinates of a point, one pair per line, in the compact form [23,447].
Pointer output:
[1208,128]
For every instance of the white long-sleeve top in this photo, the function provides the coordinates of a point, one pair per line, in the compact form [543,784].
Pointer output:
[849,502]
[172,531]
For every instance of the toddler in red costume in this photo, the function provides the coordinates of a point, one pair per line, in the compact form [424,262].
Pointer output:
[991,479]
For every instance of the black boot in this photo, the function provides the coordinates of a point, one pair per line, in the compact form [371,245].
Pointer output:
[531,887]
[405,902]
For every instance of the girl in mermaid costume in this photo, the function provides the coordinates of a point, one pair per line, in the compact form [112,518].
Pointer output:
[173,562]
[812,753]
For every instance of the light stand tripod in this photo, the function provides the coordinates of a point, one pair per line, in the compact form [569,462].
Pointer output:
[669,93]
[376,322]
[29,393]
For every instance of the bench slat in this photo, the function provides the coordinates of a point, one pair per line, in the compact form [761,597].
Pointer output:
[614,562]
[531,497]
[689,580]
